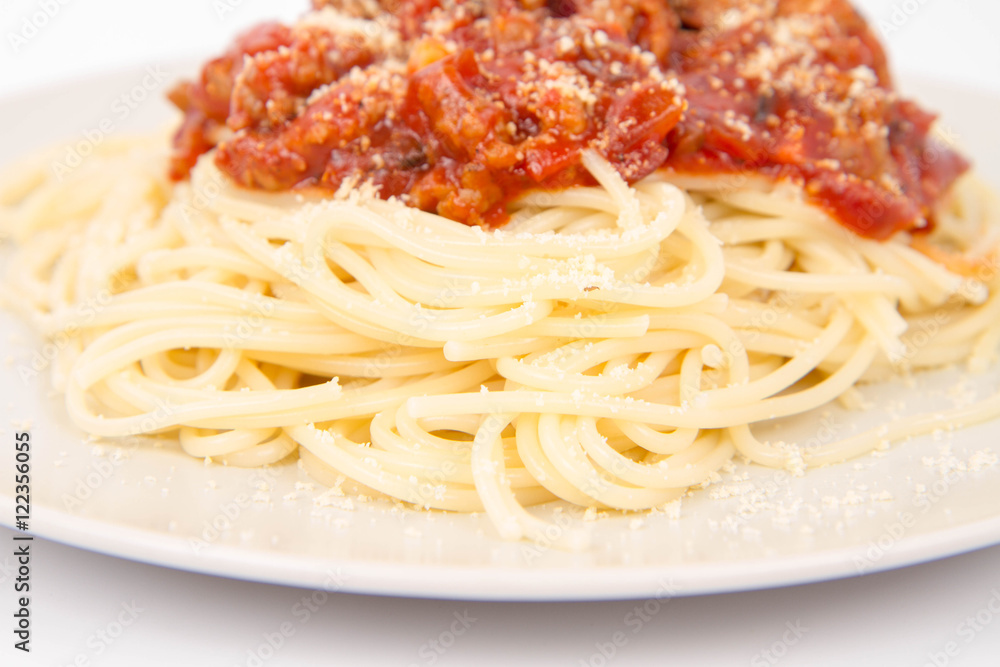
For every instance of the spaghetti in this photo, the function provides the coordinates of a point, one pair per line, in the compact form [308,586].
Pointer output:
[610,347]
[610,344]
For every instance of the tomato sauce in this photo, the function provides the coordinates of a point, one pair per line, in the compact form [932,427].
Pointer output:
[461,107]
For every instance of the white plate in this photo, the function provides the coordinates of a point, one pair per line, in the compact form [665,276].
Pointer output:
[159,506]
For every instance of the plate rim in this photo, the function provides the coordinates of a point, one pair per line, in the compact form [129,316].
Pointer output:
[500,583]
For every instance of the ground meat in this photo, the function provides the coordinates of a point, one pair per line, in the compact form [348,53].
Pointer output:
[459,107]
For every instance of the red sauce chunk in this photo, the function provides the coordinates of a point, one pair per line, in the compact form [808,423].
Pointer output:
[459,107]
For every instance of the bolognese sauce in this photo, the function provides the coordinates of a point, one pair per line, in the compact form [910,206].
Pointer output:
[459,107]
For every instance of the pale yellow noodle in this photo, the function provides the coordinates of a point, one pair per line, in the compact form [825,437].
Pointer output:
[611,347]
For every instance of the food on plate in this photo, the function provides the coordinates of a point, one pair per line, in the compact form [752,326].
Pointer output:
[477,256]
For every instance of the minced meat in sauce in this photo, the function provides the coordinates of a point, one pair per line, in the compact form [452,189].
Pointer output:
[459,107]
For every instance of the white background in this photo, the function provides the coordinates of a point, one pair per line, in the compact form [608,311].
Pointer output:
[905,617]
